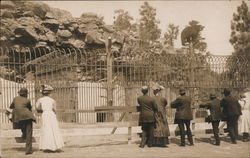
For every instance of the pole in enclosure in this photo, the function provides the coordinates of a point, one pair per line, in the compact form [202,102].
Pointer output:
[109,77]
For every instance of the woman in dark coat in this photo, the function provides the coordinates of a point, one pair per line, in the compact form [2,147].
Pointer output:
[161,130]
[23,116]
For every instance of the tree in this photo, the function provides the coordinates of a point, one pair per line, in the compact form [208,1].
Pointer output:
[240,25]
[238,63]
[171,34]
[148,25]
[122,20]
[191,36]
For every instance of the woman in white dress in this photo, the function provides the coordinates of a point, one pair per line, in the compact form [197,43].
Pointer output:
[50,137]
[244,119]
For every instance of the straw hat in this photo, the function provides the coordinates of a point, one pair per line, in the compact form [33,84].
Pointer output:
[47,88]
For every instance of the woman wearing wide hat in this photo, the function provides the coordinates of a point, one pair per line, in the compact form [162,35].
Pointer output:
[50,136]
[23,116]
[161,130]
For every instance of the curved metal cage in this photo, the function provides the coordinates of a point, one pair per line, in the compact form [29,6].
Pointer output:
[75,72]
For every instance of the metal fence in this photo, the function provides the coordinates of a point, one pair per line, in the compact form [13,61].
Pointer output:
[87,78]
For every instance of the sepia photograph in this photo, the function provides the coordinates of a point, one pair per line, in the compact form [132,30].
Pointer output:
[125,79]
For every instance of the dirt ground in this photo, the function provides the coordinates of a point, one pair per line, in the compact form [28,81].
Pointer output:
[116,146]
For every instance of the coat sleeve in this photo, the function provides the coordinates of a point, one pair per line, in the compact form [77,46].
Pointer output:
[138,107]
[29,106]
[222,103]
[175,103]
[39,106]
[165,102]
[155,108]
[239,107]
[12,105]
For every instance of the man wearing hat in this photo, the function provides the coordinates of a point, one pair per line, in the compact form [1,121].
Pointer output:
[231,111]
[147,107]
[22,114]
[215,115]
[183,115]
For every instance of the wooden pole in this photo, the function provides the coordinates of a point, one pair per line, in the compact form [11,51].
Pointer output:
[109,77]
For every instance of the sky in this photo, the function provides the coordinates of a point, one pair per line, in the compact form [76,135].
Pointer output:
[216,16]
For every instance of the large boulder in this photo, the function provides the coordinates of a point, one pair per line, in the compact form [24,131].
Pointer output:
[94,38]
[64,34]
[77,43]
[52,24]
[26,35]
[5,13]
[7,5]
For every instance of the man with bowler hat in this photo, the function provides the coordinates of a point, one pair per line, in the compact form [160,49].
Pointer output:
[215,115]
[22,114]
[147,107]
[183,115]
[231,111]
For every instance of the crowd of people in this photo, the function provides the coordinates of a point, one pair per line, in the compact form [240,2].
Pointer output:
[154,124]
[152,117]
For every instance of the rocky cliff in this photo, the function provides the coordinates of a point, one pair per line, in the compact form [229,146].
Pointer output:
[35,24]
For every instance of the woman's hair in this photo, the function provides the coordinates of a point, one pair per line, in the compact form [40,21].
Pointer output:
[46,93]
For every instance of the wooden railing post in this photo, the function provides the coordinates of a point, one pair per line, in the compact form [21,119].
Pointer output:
[109,77]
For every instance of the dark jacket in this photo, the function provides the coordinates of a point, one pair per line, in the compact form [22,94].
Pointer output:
[231,106]
[183,108]
[215,109]
[22,109]
[147,107]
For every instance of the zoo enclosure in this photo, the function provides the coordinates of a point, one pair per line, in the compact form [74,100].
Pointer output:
[84,79]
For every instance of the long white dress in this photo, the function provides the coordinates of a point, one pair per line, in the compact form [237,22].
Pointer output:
[50,137]
[244,119]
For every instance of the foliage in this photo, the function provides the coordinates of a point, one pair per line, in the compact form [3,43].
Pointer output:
[240,25]
[148,25]
[171,34]
[238,64]
[191,36]
[123,21]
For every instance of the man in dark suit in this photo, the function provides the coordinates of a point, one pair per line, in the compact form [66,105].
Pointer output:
[183,115]
[231,111]
[22,114]
[147,107]
[215,115]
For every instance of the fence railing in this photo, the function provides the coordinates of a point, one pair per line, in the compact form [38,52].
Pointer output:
[84,78]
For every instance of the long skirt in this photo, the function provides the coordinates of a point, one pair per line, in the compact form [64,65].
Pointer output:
[161,130]
[50,138]
[244,122]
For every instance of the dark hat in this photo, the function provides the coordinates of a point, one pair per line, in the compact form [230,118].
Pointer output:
[23,91]
[226,91]
[182,91]
[212,95]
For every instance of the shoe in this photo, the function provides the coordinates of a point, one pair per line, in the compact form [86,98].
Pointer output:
[245,140]
[183,145]
[217,144]
[234,142]
[191,144]
[141,146]
[28,153]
